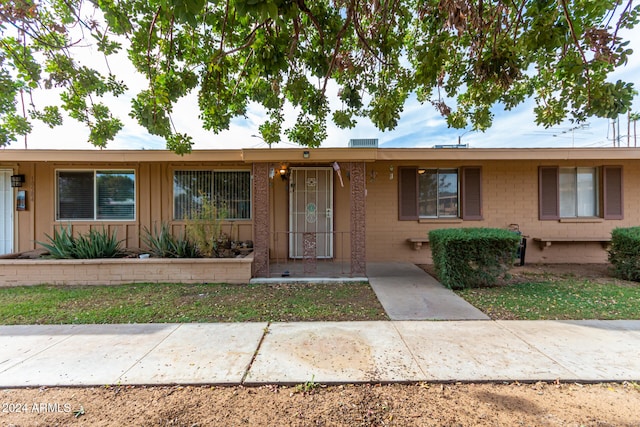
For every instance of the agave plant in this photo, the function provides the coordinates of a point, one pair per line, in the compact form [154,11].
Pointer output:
[163,244]
[61,245]
[95,244]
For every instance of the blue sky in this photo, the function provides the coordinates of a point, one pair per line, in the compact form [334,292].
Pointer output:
[419,126]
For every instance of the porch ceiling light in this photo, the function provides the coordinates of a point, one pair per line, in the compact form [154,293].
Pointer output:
[17,180]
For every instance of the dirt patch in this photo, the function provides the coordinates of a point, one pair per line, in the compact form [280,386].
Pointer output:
[346,405]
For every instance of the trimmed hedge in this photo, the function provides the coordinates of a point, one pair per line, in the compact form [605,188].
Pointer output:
[624,253]
[472,257]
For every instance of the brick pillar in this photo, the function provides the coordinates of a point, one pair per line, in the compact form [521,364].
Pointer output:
[261,220]
[358,225]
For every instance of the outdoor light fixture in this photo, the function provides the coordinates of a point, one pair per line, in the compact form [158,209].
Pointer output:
[17,180]
[305,154]
[284,173]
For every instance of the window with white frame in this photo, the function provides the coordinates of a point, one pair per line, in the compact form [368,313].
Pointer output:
[229,190]
[578,192]
[438,193]
[92,195]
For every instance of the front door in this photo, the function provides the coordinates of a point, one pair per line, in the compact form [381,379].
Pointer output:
[311,211]
[6,212]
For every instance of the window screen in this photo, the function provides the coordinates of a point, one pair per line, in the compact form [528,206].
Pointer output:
[76,195]
[230,190]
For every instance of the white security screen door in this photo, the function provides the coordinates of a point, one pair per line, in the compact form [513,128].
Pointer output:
[6,208]
[311,210]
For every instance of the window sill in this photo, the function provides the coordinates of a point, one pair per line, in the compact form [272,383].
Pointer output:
[582,220]
[440,220]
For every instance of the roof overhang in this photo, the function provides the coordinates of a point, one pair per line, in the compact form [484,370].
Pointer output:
[320,155]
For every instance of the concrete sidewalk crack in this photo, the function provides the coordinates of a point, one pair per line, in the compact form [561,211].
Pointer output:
[413,356]
[265,331]
[35,354]
[505,328]
[148,352]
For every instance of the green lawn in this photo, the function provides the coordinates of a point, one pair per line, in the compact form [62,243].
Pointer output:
[558,298]
[164,303]
[538,297]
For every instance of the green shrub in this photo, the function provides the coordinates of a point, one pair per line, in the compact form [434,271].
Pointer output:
[95,244]
[204,228]
[472,257]
[163,244]
[624,253]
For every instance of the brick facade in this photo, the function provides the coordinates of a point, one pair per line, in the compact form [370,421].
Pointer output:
[366,219]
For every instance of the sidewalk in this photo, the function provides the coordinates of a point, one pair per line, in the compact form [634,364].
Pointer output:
[324,352]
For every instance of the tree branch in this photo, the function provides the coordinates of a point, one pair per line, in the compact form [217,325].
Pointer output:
[576,41]
[356,25]
[336,48]
[303,7]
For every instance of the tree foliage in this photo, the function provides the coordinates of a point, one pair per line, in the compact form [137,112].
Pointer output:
[460,56]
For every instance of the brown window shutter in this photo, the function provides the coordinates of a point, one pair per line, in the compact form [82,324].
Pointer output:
[548,197]
[612,192]
[407,194]
[472,193]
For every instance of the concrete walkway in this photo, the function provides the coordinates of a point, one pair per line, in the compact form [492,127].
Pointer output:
[408,293]
[325,352]
[328,352]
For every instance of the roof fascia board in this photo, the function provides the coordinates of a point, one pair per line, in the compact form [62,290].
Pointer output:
[314,155]
[119,156]
[507,154]
[319,155]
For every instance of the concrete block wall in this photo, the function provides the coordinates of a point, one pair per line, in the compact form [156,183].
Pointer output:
[125,270]
[509,196]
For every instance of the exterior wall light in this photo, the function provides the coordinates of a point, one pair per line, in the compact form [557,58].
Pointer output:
[305,154]
[284,173]
[17,180]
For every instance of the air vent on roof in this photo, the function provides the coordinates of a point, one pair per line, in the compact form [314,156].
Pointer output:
[363,143]
[451,146]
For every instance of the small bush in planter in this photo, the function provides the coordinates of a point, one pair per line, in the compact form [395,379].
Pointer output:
[472,257]
[624,253]
[94,244]
[203,227]
[163,244]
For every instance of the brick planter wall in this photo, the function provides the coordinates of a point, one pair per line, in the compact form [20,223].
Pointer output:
[115,271]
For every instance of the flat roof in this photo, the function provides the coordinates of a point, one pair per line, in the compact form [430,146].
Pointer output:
[315,155]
